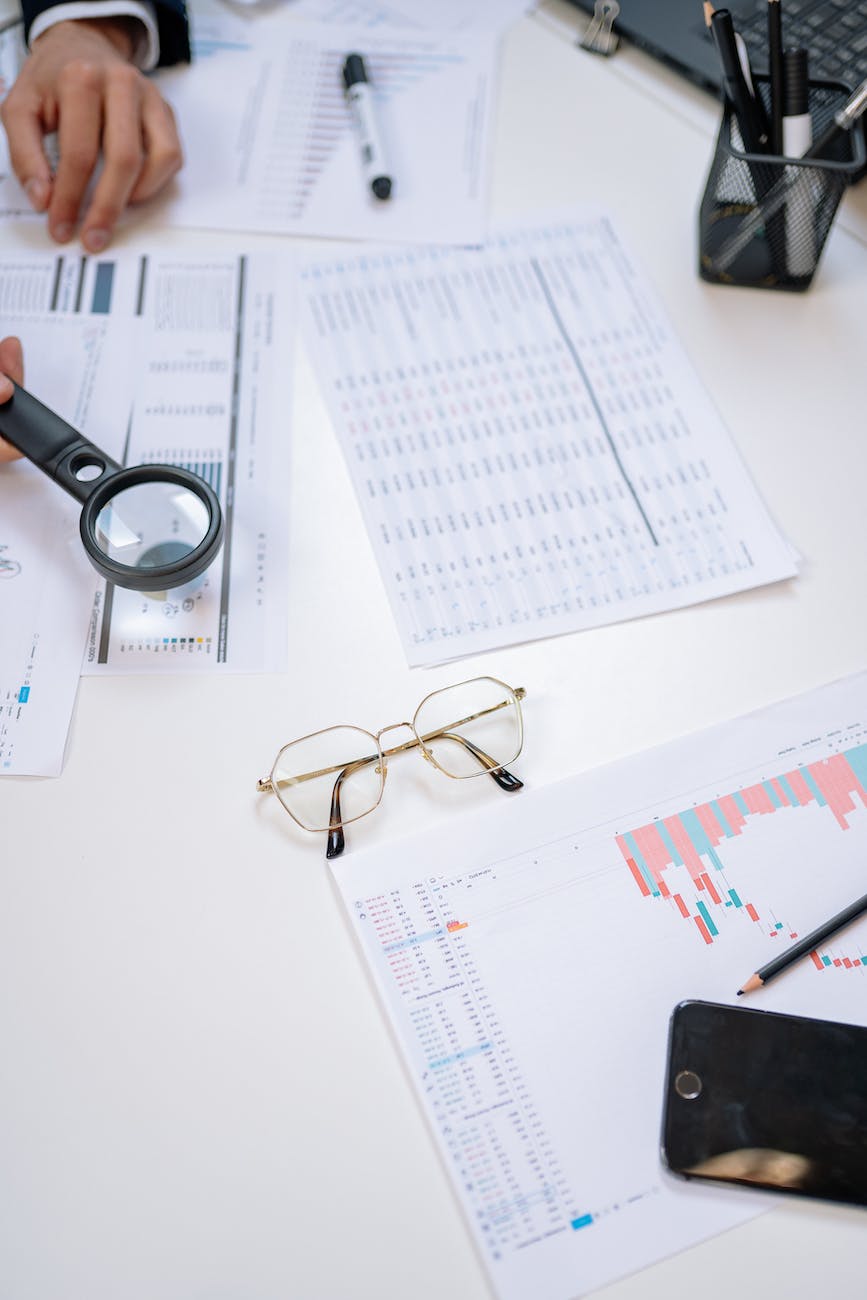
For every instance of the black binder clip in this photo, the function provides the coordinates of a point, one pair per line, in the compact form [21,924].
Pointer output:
[600,37]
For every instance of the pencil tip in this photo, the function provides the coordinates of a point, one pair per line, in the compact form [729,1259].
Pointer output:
[740,993]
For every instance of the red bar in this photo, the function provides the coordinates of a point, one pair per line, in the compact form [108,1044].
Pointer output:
[709,824]
[732,813]
[705,932]
[639,878]
[663,888]
[800,789]
[684,910]
[837,961]
[751,912]
[817,961]
[847,963]
[780,792]
[710,889]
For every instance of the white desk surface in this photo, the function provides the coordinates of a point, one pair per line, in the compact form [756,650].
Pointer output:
[199,1099]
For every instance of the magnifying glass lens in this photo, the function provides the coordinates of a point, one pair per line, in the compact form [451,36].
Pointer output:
[151,524]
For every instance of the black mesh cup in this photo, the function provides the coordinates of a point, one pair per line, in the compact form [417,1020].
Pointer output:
[764,220]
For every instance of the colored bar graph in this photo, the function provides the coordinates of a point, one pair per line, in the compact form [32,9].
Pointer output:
[692,838]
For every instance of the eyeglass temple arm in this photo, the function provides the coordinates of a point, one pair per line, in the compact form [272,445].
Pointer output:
[504,778]
[336,837]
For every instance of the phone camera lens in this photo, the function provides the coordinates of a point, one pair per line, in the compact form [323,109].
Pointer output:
[687,1084]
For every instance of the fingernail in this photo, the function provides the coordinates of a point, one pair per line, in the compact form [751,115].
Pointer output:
[62,231]
[95,240]
[37,192]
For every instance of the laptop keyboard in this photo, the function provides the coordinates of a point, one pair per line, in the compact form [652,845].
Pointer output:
[834,32]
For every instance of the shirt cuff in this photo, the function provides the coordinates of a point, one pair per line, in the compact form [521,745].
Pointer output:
[146,51]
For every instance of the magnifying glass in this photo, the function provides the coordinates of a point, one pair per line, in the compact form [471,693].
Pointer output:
[149,527]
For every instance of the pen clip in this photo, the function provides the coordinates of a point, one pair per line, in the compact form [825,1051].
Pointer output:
[599,38]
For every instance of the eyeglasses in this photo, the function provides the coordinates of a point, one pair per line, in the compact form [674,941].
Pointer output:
[333,777]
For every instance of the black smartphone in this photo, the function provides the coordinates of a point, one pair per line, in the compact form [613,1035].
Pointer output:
[767,1100]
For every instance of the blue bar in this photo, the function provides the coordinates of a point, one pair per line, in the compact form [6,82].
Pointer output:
[720,816]
[24,695]
[826,961]
[101,304]
[787,790]
[665,836]
[778,926]
[695,831]
[733,896]
[706,915]
[742,804]
[857,760]
[772,794]
[715,858]
[583,1222]
[817,793]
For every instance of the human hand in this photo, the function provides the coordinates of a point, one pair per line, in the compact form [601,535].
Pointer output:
[79,82]
[11,367]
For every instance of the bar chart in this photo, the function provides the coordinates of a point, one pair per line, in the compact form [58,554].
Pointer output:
[695,838]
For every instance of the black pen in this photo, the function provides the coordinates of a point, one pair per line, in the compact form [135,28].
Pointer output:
[748,115]
[360,99]
[804,946]
[775,67]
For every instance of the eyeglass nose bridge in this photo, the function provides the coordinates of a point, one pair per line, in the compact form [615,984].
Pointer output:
[414,743]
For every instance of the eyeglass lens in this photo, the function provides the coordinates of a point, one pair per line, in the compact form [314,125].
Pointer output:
[470,727]
[309,771]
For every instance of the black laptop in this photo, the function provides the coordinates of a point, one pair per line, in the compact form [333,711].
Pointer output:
[834,32]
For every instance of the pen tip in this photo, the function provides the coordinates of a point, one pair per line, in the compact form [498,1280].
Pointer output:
[740,993]
[381,187]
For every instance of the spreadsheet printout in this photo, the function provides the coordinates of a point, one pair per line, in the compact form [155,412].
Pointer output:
[529,959]
[531,449]
[209,337]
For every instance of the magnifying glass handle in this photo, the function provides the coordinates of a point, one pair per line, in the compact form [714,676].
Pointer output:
[53,445]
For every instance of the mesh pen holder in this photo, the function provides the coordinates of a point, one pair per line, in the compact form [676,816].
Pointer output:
[763,220]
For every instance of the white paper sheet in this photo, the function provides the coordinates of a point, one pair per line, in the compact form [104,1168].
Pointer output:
[46,582]
[288,160]
[446,15]
[13,200]
[529,959]
[532,451]
[210,341]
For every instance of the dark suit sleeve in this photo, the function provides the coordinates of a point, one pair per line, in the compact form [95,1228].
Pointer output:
[171,22]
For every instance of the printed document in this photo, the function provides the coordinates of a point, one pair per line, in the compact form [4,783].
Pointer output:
[446,15]
[531,449]
[288,159]
[46,581]
[529,959]
[208,340]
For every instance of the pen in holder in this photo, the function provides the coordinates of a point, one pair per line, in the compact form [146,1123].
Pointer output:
[764,219]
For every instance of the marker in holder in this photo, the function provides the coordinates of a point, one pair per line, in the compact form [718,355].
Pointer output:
[764,219]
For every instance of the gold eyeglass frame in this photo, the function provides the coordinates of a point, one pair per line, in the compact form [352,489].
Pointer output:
[488,766]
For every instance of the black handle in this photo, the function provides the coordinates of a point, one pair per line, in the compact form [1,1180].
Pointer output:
[52,444]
